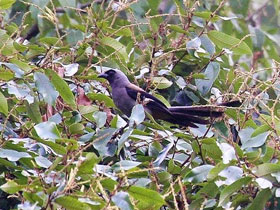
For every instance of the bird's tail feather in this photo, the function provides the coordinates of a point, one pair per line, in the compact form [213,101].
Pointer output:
[182,117]
[202,111]
[188,115]
[187,120]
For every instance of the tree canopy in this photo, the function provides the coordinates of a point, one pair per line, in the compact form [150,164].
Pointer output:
[64,144]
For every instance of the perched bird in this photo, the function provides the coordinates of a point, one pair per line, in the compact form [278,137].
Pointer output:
[126,95]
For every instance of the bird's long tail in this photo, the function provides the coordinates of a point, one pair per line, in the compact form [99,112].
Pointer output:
[189,115]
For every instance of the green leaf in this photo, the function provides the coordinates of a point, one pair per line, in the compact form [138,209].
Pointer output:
[71,203]
[12,28]
[260,200]
[24,65]
[120,48]
[154,4]
[62,87]
[162,99]
[120,31]
[149,197]
[9,164]
[101,98]
[261,129]
[109,183]
[74,36]
[45,88]
[6,44]
[33,198]
[3,104]
[33,111]
[54,146]
[11,187]
[72,144]
[6,74]
[268,154]
[88,164]
[180,7]
[49,40]
[210,189]
[233,188]
[173,168]
[199,76]
[198,174]
[6,4]
[206,15]
[223,40]
[161,82]
[211,148]
[266,169]
[15,68]
[87,109]
[76,128]
[47,130]
[19,47]
[177,29]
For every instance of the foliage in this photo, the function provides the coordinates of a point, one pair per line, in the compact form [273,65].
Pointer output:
[65,145]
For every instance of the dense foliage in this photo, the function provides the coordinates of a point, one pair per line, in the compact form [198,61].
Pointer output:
[65,145]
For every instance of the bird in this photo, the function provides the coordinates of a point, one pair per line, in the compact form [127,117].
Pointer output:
[126,95]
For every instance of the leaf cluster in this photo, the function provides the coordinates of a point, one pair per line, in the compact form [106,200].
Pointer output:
[64,144]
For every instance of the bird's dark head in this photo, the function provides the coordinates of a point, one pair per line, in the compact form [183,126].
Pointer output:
[115,77]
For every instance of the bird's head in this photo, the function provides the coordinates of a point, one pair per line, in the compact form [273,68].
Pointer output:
[115,77]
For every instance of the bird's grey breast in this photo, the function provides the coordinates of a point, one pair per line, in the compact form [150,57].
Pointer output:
[122,100]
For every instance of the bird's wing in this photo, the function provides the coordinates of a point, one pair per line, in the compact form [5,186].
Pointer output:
[156,108]
[133,90]
[182,115]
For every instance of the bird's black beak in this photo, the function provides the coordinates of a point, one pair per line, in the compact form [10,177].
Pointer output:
[103,75]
